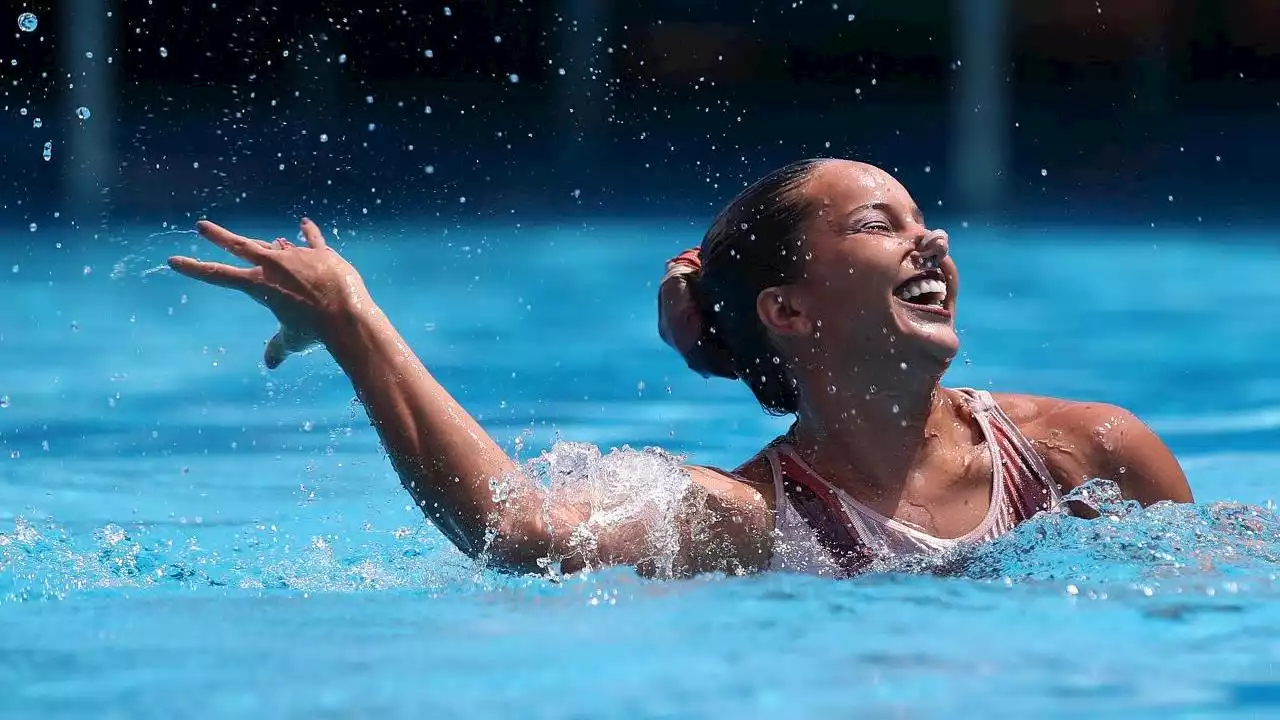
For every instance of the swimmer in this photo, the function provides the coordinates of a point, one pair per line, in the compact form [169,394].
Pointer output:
[821,288]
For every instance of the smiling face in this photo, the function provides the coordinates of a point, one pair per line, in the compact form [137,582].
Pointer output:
[876,281]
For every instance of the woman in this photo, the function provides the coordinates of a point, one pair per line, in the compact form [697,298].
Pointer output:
[822,289]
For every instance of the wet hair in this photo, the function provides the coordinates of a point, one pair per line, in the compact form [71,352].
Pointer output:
[753,244]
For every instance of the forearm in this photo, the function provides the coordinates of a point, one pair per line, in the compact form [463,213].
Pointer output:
[442,455]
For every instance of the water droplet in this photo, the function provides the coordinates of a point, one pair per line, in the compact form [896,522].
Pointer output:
[83,113]
[430,53]
[1044,172]
[4,401]
[342,59]
[27,22]
[33,227]
[497,39]
[324,137]
[447,11]
[513,78]
[895,409]
[88,55]
[37,123]
[164,51]
[831,389]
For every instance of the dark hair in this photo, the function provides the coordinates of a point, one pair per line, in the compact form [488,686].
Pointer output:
[753,244]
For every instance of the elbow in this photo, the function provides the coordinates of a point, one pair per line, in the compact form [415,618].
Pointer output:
[518,547]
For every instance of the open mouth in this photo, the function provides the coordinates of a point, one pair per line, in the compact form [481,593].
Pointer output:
[928,289]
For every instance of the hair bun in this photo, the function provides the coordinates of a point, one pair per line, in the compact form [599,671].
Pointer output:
[682,323]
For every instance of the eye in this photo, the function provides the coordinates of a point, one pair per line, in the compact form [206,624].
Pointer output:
[875,226]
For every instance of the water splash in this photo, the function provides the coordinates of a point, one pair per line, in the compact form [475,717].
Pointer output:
[636,494]
[45,561]
[1127,548]
[640,496]
[632,498]
[149,260]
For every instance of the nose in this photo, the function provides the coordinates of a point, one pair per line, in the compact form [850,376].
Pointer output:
[932,247]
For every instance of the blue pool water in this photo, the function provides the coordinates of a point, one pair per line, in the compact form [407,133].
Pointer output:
[186,534]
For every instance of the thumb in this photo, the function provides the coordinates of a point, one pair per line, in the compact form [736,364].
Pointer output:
[276,351]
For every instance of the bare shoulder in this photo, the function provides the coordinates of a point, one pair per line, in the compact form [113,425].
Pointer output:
[731,522]
[748,488]
[1084,440]
[1037,415]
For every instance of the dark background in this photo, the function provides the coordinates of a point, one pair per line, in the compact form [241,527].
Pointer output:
[1119,112]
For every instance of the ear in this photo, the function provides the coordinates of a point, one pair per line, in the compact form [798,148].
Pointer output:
[782,311]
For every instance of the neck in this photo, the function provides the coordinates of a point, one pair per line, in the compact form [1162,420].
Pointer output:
[872,424]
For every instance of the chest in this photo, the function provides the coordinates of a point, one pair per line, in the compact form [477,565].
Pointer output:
[946,498]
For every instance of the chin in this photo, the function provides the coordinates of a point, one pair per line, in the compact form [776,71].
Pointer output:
[927,333]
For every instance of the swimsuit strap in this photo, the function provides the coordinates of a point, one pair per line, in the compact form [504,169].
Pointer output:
[1029,486]
[816,504]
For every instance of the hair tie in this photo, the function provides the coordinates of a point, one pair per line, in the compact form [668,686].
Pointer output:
[680,321]
[687,262]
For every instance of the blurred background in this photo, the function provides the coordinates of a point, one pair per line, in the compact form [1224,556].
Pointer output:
[1116,112]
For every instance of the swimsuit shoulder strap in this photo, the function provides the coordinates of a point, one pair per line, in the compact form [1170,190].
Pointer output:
[1029,486]
[817,505]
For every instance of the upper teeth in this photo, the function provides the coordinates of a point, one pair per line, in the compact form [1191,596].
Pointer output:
[920,287]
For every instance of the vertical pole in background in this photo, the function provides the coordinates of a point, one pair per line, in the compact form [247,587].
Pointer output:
[980,108]
[88,156]
[582,94]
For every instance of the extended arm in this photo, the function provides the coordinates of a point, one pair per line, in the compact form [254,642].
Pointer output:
[443,456]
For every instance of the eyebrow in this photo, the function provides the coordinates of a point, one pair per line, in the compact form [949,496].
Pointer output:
[914,211]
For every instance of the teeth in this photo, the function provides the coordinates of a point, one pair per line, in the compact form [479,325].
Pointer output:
[920,287]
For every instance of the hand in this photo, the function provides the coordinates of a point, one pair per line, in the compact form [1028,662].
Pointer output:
[306,288]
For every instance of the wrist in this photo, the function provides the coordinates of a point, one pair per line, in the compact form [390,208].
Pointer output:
[347,317]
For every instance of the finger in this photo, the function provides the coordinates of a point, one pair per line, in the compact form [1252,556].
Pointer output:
[219,274]
[238,245]
[315,239]
[275,353]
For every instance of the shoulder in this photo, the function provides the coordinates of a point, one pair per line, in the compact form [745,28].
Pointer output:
[1084,440]
[1050,419]
[749,486]
[728,525]
[1038,412]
